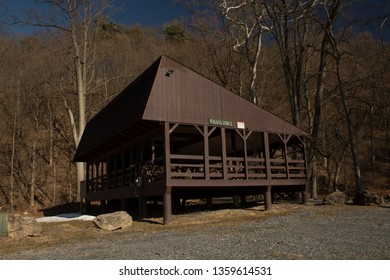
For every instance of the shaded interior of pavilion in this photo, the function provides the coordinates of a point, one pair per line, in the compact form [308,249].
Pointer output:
[196,162]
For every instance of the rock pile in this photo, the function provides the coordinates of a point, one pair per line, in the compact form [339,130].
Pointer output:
[367,198]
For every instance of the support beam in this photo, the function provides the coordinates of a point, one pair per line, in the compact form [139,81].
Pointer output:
[286,160]
[305,197]
[206,153]
[268,199]
[102,173]
[167,206]
[246,155]
[167,153]
[224,156]
[267,156]
[108,173]
[88,179]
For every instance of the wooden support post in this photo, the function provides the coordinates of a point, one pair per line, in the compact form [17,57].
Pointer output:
[268,199]
[246,155]
[285,139]
[224,156]
[108,173]
[93,181]
[98,176]
[102,173]
[167,153]
[206,153]
[267,156]
[305,197]
[88,179]
[167,206]
[306,163]
[268,194]
[153,152]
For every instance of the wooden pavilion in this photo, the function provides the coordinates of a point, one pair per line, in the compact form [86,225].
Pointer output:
[174,133]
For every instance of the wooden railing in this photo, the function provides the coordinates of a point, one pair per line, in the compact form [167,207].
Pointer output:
[297,169]
[293,169]
[192,167]
[256,168]
[187,167]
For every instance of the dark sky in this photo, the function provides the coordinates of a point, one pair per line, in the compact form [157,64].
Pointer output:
[152,13]
[148,12]
[155,13]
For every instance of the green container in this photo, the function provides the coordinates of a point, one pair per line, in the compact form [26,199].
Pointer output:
[3,225]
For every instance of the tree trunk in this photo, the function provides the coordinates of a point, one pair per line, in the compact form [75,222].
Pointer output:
[12,179]
[339,164]
[81,90]
[351,132]
[33,174]
[54,183]
[319,93]
[372,141]
[80,171]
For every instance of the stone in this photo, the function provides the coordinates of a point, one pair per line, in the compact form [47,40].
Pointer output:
[367,198]
[23,226]
[335,198]
[113,221]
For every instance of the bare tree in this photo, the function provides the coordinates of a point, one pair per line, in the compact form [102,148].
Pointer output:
[289,24]
[80,22]
[15,123]
[247,25]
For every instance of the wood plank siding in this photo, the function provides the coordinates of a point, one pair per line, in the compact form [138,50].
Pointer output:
[173,132]
[194,99]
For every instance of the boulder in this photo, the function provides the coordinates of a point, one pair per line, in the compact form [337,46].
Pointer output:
[367,198]
[335,198]
[113,221]
[23,226]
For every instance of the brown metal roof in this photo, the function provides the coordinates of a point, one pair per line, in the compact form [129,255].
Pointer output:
[170,91]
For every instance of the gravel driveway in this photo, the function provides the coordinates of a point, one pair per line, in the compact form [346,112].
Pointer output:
[309,232]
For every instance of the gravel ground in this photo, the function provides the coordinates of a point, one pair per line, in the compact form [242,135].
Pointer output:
[309,232]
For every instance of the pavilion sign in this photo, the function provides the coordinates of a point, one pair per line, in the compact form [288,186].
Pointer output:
[220,122]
